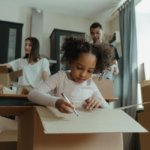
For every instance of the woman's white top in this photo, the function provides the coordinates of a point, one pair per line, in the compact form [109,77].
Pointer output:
[32,74]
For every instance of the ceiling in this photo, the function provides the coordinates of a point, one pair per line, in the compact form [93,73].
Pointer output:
[93,9]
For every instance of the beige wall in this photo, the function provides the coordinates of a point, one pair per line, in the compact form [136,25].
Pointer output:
[20,14]
[23,15]
[17,14]
[51,21]
[115,27]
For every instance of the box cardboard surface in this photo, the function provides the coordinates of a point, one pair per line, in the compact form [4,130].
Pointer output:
[14,96]
[8,145]
[106,88]
[5,77]
[8,139]
[144,120]
[41,128]
[145,93]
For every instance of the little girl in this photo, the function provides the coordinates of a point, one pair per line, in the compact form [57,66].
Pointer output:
[84,59]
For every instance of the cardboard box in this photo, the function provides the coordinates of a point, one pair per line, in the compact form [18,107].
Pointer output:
[41,128]
[106,88]
[145,93]
[5,77]
[144,120]
[14,96]
[8,140]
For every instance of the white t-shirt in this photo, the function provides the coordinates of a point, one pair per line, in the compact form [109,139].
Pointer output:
[109,72]
[32,74]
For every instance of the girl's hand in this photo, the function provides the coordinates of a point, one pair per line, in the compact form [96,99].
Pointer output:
[63,105]
[93,103]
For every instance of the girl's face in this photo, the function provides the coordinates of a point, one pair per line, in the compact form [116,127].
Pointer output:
[28,47]
[83,67]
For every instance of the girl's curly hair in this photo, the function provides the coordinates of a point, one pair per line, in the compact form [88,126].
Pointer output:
[73,47]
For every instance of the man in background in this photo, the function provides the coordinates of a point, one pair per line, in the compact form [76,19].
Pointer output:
[96,32]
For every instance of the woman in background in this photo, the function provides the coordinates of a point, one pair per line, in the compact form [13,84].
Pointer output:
[35,70]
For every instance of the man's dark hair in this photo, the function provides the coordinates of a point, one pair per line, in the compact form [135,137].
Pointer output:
[96,25]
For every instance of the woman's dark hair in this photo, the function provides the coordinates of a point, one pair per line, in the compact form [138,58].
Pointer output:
[73,47]
[34,55]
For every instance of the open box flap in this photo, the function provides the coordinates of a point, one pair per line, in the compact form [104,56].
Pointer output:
[105,85]
[16,74]
[97,121]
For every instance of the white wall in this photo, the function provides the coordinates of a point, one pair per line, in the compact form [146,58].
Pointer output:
[52,20]
[143,39]
[17,14]
[37,26]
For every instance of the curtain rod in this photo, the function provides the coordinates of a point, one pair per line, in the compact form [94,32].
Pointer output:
[120,7]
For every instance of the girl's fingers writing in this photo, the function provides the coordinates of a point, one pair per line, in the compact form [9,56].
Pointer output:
[63,106]
[69,105]
[72,103]
[66,110]
[61,110]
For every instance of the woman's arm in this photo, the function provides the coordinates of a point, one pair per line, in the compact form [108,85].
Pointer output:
[45,70]
[45,75]
[7,65]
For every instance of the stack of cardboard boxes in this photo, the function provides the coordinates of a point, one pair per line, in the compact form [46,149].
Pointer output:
[144,117]
[5,82]
[42,128]
[5,77]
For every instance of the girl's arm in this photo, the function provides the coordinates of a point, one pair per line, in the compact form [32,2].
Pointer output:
[97,96]
[100,98]
[40,97]
[40,94]
[7,65]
